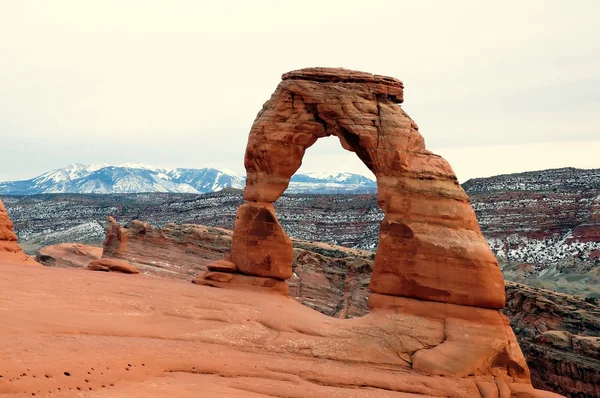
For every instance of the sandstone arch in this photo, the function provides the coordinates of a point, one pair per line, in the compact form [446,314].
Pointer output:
[430,245]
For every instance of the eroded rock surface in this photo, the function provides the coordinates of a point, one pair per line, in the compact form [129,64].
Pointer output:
[110,264]
[260,246]
[331,279]
[68,255]
[178,251]
[430,246]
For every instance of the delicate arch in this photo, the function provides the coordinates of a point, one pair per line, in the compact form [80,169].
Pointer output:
[430,245]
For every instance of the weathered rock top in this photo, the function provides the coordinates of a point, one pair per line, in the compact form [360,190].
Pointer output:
[384,85]
[321,74]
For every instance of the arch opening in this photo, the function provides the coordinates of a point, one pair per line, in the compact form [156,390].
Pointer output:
[347,215]
[326,161]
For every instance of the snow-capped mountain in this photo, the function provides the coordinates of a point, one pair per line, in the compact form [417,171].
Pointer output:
[102,178]
[331,182]
[338,176]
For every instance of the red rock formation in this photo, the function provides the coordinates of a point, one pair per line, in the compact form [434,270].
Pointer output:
[10,251]
[334,280]
[430,245]
[68,255]
[224,265]
[437,286]
[110,264]
[260,246]
[242,282]
[178,251]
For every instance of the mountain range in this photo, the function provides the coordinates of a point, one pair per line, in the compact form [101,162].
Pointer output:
[102,178]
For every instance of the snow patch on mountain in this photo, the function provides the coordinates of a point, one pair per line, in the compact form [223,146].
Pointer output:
[548,250]
[140,166]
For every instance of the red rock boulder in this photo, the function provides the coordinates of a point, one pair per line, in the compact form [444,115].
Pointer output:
[260,246]
[110,264]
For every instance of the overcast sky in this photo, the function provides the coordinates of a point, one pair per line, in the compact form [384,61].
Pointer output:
[495,87]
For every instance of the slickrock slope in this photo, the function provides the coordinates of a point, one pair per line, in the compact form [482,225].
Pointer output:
[94,334]
[430,245]
[9,248]
[334,280]
[331,279]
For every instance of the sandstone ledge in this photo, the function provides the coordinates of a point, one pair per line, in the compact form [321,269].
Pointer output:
[110,264]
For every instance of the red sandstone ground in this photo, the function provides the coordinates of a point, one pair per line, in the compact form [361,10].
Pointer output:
[70,332]
[333,280]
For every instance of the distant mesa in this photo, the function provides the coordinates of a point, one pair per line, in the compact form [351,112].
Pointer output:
[101,178]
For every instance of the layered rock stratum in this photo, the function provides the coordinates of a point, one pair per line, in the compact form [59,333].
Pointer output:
[560,337]
[178,251]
